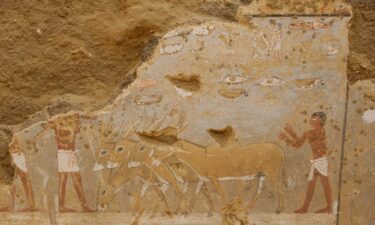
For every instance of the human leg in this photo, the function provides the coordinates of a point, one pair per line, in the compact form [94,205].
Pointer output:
[77,182]
[309,194]
[63,177]
[12,198]
[328,194]
[28,190]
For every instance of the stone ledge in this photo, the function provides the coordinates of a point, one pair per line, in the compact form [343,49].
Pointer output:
[126,219]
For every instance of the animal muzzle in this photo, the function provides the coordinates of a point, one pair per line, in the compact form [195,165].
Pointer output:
[111,164]
[102,207]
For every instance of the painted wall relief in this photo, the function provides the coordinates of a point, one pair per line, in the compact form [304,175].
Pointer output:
[212,122]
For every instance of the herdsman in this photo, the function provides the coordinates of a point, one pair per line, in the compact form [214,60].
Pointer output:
[319,164]
[20,170]
[66,128]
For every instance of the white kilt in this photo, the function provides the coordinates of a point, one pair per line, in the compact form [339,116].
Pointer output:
[67,161]
[19,161]
[321,165]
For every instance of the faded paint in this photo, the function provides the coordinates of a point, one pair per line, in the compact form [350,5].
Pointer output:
[171,49]
[215,124]
[369,116]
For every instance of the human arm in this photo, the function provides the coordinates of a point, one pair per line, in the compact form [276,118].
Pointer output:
[295,141]
[88,116]
[85,117]
[289,130]
[44,130]
[14,144]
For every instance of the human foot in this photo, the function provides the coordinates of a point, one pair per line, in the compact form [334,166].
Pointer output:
[87,209]
[167,213]
[64,209]
[325,210]
[301,210]
[28,209]
[6,209]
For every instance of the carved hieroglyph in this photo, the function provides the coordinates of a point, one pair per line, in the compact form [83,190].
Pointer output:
[202,123]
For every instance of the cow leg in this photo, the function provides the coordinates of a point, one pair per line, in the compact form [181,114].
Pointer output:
[261,179]
[208,197]
[168,176]
[160,192]
[137,204]
[185,191]
[194,198]
[223,196]
[277,188]
[155,208]
[139,197]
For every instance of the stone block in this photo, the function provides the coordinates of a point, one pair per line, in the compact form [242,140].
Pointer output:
[357,185]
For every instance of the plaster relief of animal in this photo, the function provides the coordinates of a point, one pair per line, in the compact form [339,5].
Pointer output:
[152,174]
[160,154]
[243,162]
[238,162]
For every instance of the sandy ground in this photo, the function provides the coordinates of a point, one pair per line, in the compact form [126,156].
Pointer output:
[126,219]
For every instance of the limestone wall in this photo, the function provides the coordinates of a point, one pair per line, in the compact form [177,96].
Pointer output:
[229,119]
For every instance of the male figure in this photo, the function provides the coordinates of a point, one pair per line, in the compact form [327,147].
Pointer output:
[20,170]
[319,163]
[66,127]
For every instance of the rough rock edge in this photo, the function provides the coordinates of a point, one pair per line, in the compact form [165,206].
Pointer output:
[295,8]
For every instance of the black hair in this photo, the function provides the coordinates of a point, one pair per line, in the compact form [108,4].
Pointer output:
[322,117]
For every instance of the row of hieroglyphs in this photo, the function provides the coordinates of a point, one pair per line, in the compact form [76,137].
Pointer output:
[218,105]
[262,44]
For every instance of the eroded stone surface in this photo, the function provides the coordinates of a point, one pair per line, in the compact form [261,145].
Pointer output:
[296,7]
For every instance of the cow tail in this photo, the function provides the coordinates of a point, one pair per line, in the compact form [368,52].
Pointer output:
[284,177]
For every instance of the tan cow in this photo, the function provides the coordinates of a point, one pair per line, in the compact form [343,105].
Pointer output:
[237,162]
[125,173]
[160,155]
[246,162]
[157,176]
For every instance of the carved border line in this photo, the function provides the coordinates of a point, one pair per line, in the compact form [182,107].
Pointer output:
[342,154]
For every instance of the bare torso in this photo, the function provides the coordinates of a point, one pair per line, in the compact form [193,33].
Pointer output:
[317,141]
[65,131]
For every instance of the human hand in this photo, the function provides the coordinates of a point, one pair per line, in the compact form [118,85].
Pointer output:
[89,116]
[34,143]
[282,136]
[288,128]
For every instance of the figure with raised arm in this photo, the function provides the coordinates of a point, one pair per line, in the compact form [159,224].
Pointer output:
[319,164]
[66,128]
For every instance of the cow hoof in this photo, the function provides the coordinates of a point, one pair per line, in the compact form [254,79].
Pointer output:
[168,213]
[278,211]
